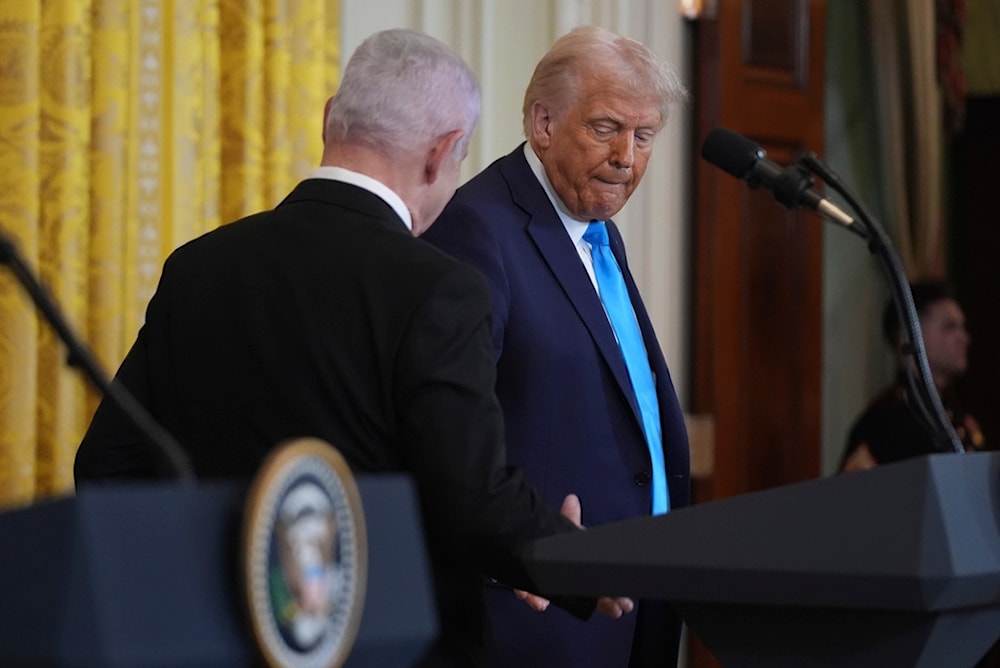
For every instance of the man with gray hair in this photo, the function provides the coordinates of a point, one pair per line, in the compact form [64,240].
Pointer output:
[586,395]
[326,317]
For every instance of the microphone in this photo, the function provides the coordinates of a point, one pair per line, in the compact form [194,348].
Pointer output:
[792,186]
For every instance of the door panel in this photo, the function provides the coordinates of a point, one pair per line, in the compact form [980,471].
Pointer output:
[758,266]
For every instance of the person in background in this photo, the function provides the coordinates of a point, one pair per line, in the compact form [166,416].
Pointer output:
[889,429]
[588,401]
[325,317]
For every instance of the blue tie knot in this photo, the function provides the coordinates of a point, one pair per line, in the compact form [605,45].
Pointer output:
[596,234]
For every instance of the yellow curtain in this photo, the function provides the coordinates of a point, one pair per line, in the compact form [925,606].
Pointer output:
[128,127]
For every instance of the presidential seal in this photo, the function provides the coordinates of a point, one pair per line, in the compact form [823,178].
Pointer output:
[304,556]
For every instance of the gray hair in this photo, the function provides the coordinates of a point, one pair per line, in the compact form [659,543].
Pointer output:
[402,89]
[588,49]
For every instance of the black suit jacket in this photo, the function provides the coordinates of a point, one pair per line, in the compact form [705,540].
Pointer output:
[325,317]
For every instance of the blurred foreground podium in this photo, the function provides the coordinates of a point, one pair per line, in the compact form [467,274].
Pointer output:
[146,575]
[896,566]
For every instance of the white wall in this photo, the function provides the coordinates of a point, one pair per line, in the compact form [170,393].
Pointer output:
[857,364]
[503,40]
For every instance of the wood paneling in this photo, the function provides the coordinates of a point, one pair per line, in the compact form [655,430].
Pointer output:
[758,276]
[758,267]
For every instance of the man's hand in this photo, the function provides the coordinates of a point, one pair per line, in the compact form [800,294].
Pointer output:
[861,459]
[535,602]
[606,605]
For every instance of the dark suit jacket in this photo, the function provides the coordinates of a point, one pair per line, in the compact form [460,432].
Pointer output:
[325,317]
[571,415]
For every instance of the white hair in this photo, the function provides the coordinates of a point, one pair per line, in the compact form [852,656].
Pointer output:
[402,89]
[587,50]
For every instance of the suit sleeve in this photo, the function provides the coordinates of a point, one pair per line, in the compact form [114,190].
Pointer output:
[455,447]
[463,232]
[112,449]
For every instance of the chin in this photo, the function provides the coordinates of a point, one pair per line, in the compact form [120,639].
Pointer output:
[603,212]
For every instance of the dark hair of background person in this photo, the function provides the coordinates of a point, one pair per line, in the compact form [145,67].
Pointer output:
[925,293]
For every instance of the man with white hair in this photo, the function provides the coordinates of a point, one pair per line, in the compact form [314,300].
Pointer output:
[586,394]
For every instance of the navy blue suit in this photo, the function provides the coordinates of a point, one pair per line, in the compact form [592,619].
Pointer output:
[570,413]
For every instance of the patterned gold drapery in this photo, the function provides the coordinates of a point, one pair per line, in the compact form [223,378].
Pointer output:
[128,127]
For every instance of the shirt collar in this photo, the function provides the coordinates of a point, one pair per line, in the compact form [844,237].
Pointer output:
[366,182]
[575,228]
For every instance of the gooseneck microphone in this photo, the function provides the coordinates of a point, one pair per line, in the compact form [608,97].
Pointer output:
[792,186]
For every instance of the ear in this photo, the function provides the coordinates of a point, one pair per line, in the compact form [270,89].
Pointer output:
[326,115]
[438,152]
[541,125]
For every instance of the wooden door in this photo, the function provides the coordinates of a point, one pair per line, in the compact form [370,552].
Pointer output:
[758,267]
[757,337]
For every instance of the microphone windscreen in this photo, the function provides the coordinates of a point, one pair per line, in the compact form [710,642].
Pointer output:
[730,151]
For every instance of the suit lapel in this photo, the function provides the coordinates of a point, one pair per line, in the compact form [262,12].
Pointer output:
[556,248]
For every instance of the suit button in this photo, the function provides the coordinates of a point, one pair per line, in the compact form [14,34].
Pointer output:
[642,479]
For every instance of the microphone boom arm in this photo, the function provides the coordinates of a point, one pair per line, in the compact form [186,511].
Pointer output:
[155,436]
[924,395]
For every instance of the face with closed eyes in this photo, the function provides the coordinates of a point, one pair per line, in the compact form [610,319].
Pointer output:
[596,150]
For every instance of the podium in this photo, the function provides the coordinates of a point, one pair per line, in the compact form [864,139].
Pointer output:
[146,575]
[894,566]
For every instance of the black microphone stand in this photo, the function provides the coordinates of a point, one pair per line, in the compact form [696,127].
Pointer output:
[155,436]
[923,395]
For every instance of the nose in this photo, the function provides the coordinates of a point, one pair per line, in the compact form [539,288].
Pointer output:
[623,151]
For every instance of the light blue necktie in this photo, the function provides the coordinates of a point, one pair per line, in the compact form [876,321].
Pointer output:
[618,306]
